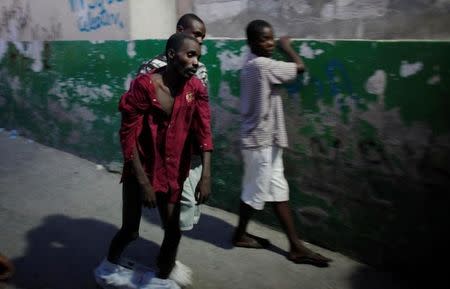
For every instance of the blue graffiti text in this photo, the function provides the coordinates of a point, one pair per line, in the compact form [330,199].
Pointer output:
[95,14]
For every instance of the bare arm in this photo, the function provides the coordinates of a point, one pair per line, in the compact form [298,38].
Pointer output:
[144,183]
[203,188]
[285,44]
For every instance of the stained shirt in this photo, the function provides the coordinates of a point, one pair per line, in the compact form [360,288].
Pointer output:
[261,106]
[202,74]
[163,141]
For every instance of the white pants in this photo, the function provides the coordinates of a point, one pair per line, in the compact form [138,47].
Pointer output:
[264,179]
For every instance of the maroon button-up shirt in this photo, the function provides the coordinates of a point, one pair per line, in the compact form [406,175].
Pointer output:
[165,142]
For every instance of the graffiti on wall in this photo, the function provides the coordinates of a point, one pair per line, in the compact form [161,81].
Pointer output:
[16,22]
[357,124]
[96,14]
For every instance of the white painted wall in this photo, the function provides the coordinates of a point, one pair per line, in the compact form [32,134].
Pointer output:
[28,20]
[333,19]
[152,18]
[17,21]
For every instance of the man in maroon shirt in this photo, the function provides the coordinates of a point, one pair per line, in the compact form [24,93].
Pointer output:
[158,113]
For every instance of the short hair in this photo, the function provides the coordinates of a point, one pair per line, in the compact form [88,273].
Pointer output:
[255,28]
[176,40]
[187,19]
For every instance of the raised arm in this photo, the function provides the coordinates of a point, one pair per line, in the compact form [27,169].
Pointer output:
[285,44]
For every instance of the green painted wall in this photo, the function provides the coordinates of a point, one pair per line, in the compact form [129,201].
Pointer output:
[369,129]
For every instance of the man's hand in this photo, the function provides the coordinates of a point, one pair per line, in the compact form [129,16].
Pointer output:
[149,196]
[203,190]
[285,42]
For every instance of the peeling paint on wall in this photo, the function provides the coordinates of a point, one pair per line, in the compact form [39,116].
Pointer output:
[219,10]
[67,91]
[299,7]
[130,49]
[19,23]
[204,50]
[435,79]
[3,48]
[330,19]
[376,84]
[350,9]
[408,69]
[307,52]
[127,82]
[356,124]
[32,50]
[230,61]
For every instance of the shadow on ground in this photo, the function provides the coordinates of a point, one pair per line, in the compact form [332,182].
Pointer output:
[62,253]
[209,229]
[202,231]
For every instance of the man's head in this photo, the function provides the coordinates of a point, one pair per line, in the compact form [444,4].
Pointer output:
[183,53]
[192,25]
[260,38]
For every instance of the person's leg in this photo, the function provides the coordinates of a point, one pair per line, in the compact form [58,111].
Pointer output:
[245,213]
[279,191]
[254,185]
[189,209]
[241,237]
[284,215]
[131,216]
[279,196]
[170,216]
[298,252]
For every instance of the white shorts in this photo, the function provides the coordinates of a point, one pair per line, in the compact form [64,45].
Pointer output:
[189,210]
[264,179]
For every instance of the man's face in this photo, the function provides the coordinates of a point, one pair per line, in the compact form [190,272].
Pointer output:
[196,29]
[186,58]
[264,44]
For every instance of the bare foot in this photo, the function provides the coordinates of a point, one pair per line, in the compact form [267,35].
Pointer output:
[251,241]
[302,255]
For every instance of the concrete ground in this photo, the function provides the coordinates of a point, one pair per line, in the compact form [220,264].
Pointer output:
[58,213]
